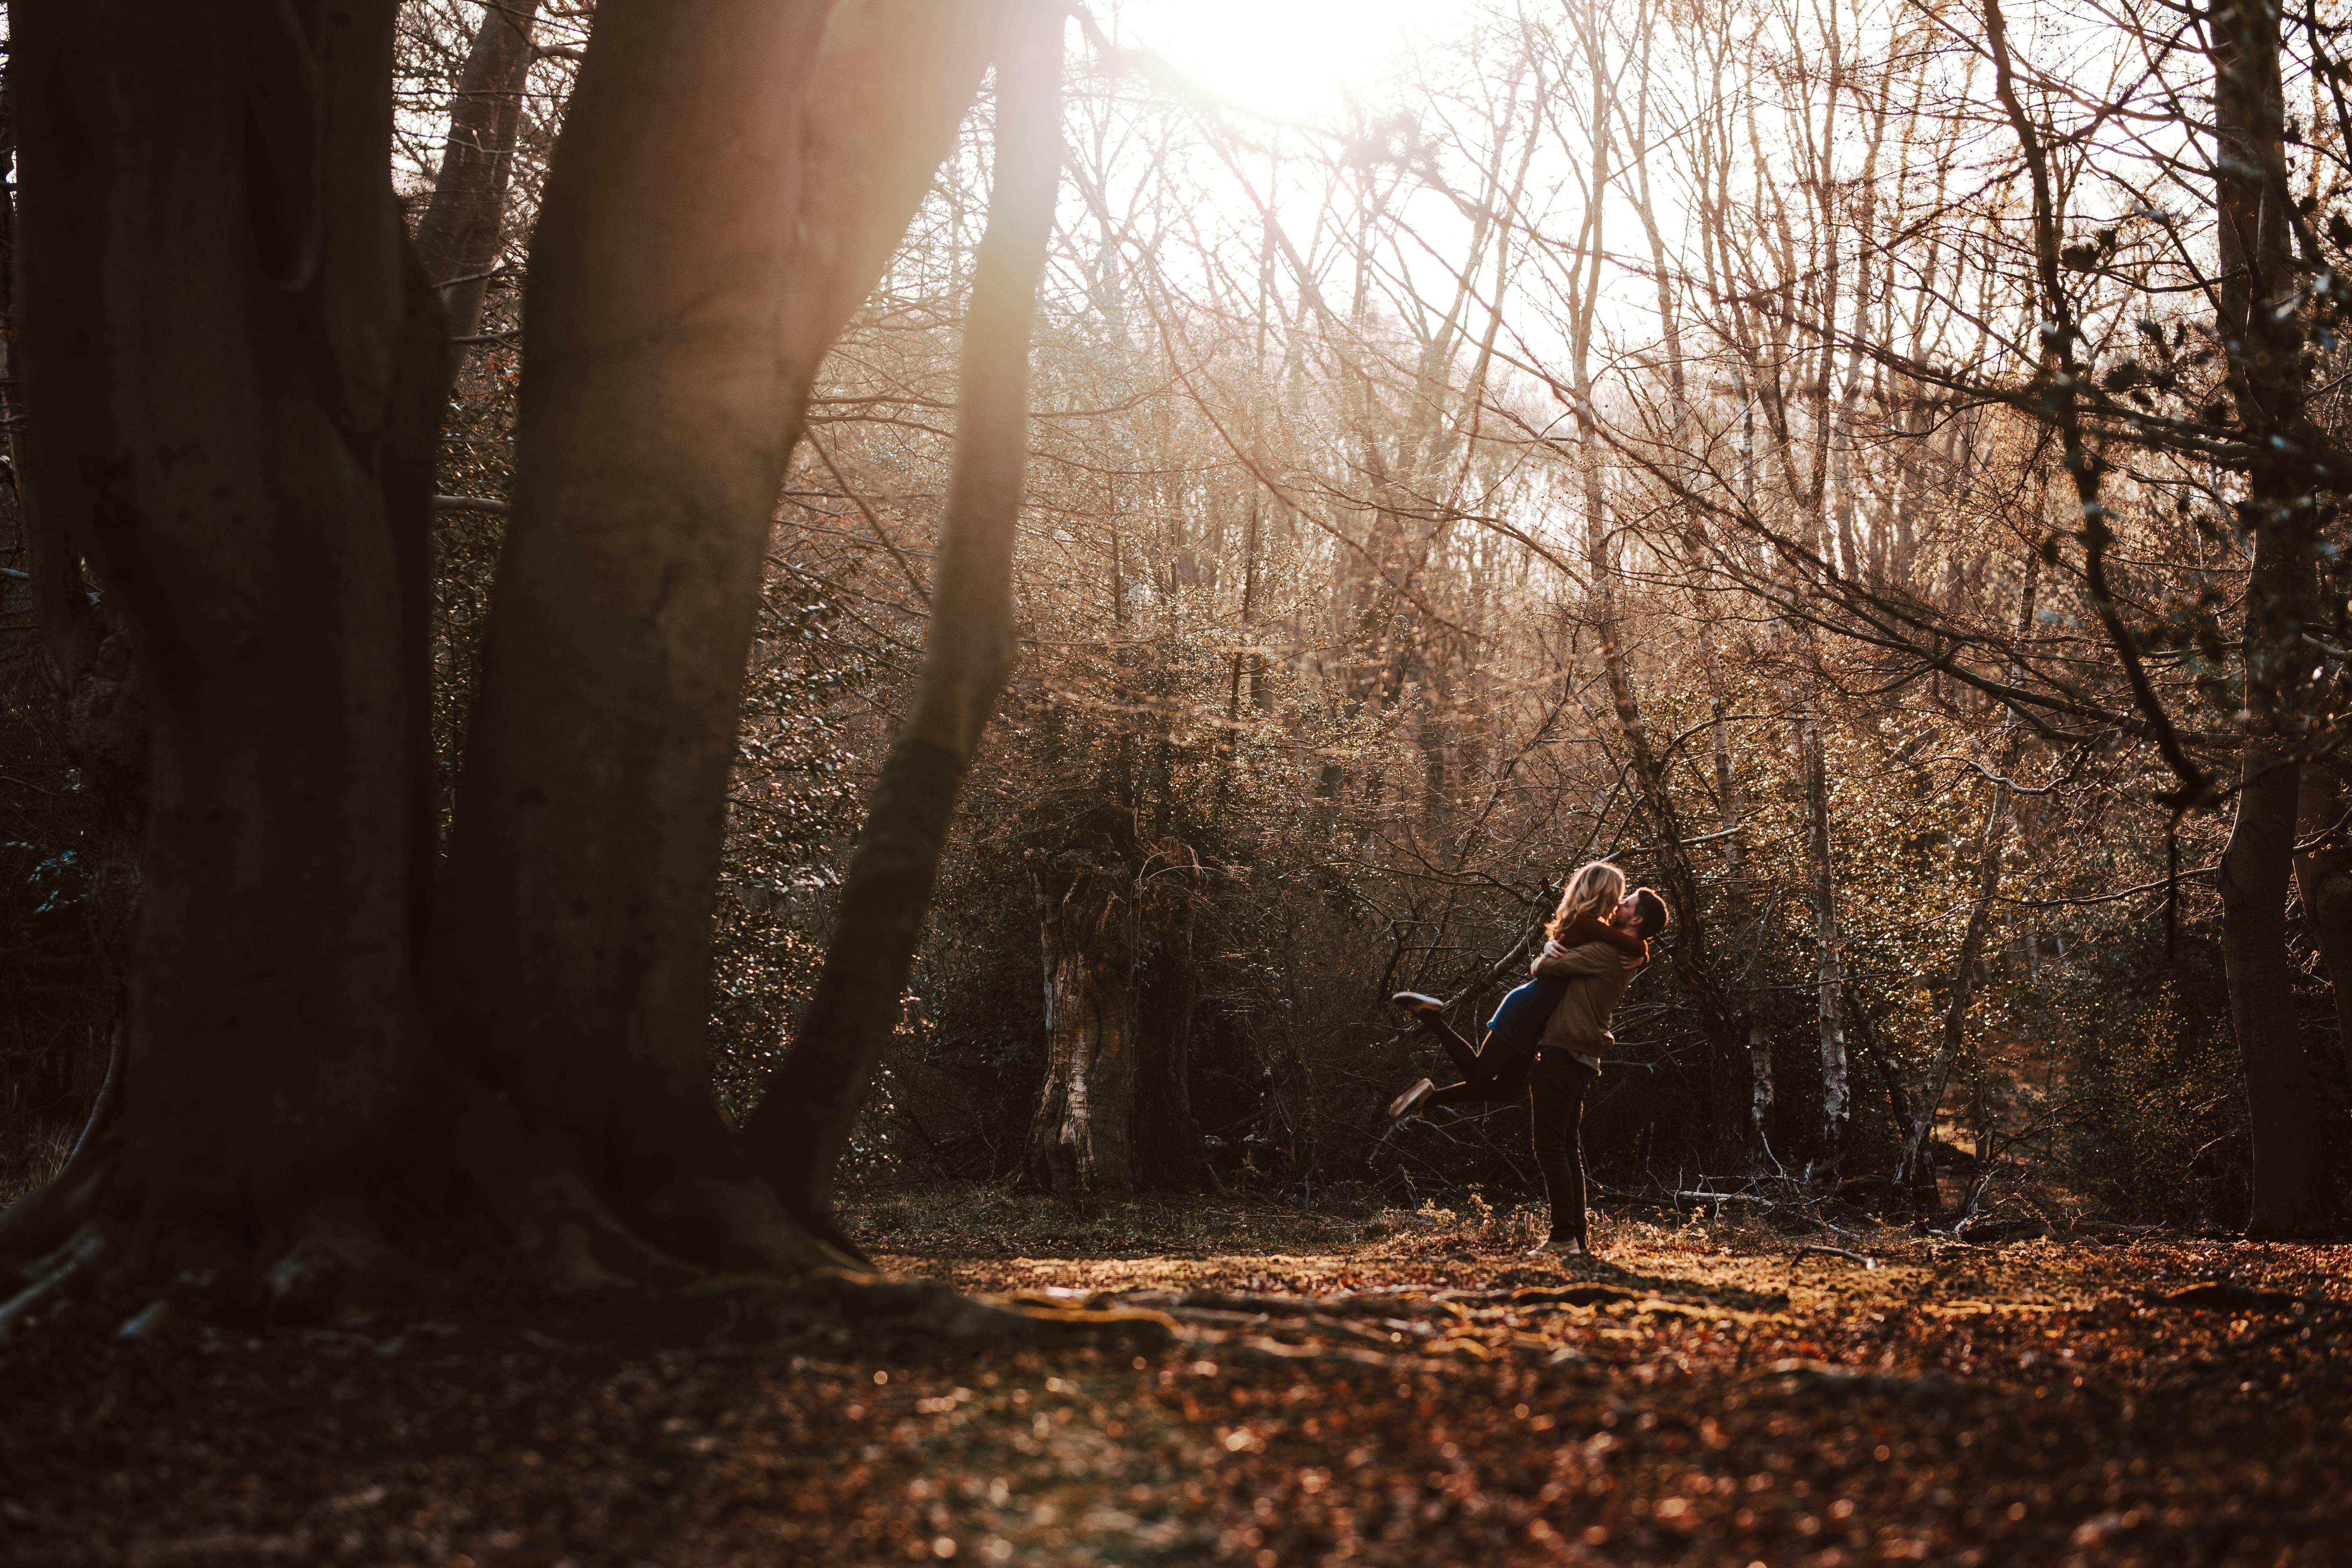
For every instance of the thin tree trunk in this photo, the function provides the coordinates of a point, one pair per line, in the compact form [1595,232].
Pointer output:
[1728,1086]
[458,239]
[2323,876]
[1828,956]
[1730,812]
[1916,1168]
[799,1128]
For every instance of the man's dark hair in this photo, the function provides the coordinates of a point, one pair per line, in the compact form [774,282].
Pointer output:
[1649,912]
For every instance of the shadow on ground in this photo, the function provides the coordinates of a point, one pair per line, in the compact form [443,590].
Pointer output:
[1401,1388]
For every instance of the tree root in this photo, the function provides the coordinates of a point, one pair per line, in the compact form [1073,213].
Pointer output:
[759,1307]
[110,1247]
[47,1279]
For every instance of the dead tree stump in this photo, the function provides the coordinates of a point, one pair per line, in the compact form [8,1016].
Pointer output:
[1116,924]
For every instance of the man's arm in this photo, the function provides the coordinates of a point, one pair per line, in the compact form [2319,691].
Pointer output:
[1557,963]
[1592,928]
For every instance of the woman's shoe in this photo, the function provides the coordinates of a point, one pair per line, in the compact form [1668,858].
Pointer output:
[1417,1002]
[1408,1102]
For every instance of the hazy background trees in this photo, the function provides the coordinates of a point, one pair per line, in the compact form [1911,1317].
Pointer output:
[1653,430]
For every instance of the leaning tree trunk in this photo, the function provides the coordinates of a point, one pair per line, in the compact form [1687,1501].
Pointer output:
[1169,1156]
[1081,1137]
[731,178]
[1914,1168]
[457,237]
[801,1126]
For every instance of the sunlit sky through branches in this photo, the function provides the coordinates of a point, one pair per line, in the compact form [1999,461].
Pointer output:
[1292,59]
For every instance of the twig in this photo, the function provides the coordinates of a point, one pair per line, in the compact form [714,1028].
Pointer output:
[1813,1246]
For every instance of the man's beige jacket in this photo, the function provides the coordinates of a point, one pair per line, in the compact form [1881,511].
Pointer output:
[1597,977]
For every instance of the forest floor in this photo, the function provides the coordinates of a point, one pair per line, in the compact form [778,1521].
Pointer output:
[1401,1388]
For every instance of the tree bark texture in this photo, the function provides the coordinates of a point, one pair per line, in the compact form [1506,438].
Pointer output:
[731,178]
[239,370]
[1115,1115]
[240,367]
[1082,1137]
[2289,1139]
[802,1124]
[2262,337]
[82,659]
[457,237]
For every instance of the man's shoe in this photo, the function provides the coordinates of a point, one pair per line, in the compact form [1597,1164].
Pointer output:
[1408,1102]
[1556,1248]
[1418,1002]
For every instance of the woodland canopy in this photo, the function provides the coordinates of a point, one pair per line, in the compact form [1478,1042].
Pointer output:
[617,614]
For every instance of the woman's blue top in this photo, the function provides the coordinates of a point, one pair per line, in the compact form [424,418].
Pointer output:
[1518,1024]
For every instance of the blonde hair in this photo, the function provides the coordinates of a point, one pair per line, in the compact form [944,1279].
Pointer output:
[1594,891]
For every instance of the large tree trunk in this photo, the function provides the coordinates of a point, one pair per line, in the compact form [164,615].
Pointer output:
[239,373]
[731,178]
[240,367]
[798,1131]
[458,239]
[83,660]
[2263,335]
[2290,1145]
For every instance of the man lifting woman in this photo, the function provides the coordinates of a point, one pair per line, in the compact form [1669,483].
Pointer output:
[1548,1037]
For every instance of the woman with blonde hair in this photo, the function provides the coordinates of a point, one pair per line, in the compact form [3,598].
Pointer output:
[1495,1069]
[1549,1036]
[1592,893]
